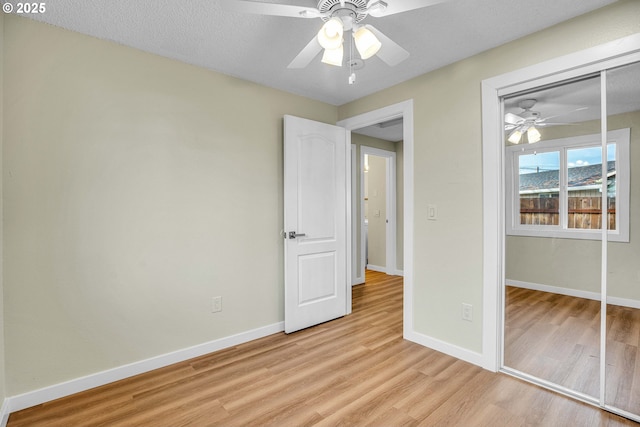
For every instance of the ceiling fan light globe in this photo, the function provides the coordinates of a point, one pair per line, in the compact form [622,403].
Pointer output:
[333,56]
[533,135]
[515,136]
[330,35]
[366,43]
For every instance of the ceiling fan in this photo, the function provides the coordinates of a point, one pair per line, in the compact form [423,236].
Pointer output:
[341,16]
[528,121]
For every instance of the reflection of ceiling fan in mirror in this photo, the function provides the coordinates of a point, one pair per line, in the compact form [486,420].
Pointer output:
[528,121]
[341,16]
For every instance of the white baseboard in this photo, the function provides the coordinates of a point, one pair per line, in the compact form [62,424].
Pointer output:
[399,273]
[377,268]
[624,302]
[446,348]
[358,279]
[4,413]
[36,397]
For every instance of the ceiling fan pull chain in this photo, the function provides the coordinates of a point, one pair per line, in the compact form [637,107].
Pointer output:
[352,74]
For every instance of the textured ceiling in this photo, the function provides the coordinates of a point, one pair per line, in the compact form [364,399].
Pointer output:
[259,48]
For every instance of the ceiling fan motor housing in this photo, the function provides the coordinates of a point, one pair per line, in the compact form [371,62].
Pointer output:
[347,10]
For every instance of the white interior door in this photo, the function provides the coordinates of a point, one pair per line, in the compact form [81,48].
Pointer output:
[316,168]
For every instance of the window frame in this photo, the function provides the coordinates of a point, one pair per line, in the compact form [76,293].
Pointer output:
[619,137]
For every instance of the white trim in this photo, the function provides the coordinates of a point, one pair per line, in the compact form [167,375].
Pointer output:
[47,394]
[349,224]
[373,267]
[604,237]
[592,60]
[493,224]
[446,348]
[390,202]
[4,413]
[617,52]
[578,293]
[399,273]
[357,273]
[405,110]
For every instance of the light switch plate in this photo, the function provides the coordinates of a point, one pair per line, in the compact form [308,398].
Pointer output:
[432,212]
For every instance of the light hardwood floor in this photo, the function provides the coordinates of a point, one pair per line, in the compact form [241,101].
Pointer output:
[557,338]
[352,371]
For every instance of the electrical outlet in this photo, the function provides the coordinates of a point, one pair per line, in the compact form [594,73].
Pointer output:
[467,312]
[216,304]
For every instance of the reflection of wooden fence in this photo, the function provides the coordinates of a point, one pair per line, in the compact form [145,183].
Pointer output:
[584,212]
[539,211]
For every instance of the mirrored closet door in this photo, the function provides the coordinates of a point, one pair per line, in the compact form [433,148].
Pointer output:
[571,206]
[552,251]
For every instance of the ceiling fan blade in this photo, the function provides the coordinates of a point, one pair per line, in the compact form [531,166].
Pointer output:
[274,9]
[390,52]
[562,114]
[512,119]
[543,124]
[379,8]
[306,55]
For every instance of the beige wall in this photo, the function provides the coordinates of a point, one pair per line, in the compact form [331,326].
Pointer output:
[575,264]
[136,188]
[377,204]
[448,164]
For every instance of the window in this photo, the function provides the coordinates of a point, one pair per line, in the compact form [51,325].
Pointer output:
[555,188]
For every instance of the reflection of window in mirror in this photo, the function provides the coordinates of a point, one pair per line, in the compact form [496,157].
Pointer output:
[554,164]
[554,187]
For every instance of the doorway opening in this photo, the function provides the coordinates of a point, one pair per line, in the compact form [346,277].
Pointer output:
[376,220]
[379,221]
[399,116]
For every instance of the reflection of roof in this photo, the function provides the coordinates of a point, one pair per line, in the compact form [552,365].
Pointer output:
[581,176]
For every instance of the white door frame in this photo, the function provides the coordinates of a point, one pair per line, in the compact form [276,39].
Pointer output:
[390,226]
[608,55]
[405,110]
[357,276]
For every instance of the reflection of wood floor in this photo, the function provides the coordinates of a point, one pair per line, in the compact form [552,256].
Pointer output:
[557,338]
[352,371]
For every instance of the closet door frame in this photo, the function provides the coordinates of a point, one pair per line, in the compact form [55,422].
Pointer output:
[590,61]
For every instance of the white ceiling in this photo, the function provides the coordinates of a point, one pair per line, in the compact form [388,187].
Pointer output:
[259,48]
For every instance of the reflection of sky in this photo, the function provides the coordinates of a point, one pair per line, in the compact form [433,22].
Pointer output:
[539,162]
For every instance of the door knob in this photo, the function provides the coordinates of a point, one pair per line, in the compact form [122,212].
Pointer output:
[293,234]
